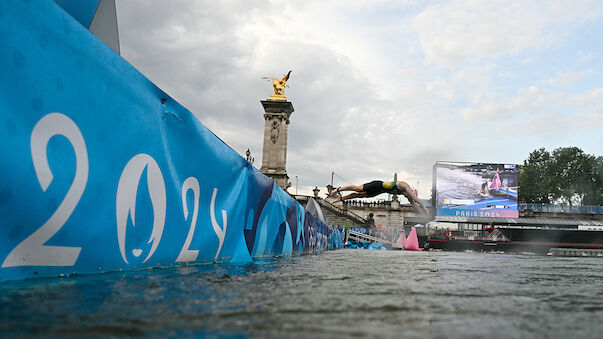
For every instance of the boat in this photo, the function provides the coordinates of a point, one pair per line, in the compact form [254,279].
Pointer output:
[518,238]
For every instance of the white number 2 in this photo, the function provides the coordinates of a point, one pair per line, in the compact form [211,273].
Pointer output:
[32,251]
[192,184]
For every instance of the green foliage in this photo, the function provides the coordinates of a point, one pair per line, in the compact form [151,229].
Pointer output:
[535,184]
[598,194]
[567,176]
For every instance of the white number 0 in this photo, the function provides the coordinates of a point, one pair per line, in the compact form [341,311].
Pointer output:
[32,251]
[125,202]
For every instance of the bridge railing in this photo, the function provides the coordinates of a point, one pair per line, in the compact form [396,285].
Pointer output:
[342,212]
[549,208]
[356,235]
[360,203]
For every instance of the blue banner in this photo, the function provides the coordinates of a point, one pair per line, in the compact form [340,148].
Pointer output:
[101,170]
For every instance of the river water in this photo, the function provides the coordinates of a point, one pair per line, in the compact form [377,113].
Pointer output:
[344,293]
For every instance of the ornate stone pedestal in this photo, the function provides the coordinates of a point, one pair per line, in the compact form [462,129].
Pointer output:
[274,156]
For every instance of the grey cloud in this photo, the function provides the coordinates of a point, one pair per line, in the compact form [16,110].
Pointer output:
[210,56]
[197,55]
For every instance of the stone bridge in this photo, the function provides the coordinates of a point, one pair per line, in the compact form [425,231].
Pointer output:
[365,214]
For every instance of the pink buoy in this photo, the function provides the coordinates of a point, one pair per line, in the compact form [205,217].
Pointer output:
[401,240]
[412,242]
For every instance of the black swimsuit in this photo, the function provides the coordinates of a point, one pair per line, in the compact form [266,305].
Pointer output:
[377,187]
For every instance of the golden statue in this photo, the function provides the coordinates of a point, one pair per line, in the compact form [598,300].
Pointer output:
[278,85]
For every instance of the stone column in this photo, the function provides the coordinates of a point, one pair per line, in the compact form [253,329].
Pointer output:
[274,156]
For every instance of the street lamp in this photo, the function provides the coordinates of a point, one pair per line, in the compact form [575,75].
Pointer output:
[249,158]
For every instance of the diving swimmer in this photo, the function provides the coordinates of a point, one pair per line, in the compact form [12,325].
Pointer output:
[377,187]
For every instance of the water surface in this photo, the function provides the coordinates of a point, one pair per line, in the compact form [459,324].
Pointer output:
[345,293]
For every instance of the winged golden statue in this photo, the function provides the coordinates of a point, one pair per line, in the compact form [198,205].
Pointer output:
[278,85]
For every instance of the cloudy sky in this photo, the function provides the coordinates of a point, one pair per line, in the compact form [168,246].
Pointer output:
[380,87]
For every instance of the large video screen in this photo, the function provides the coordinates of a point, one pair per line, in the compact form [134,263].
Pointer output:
[476,190]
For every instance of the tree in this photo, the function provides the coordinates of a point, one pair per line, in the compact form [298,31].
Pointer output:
[573,172]
[534,180]
[596,198]
[567,175]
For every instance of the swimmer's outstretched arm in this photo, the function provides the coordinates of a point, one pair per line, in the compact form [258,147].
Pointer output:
[422,209]
[415,201]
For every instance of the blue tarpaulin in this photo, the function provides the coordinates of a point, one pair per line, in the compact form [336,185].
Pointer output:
[101,170]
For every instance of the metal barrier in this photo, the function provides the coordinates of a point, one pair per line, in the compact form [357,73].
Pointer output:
[549,208]
[357,236]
